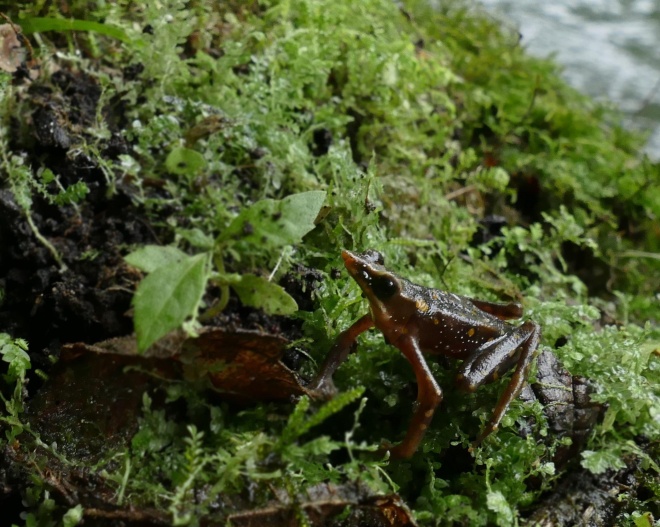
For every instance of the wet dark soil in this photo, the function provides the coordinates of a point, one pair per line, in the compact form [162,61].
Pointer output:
[86,296]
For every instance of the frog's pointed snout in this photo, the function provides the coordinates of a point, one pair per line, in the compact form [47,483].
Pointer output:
[350,260]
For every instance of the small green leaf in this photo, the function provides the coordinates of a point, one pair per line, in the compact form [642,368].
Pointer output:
[644,520]
[256,291]
[47,176]
[274,223]
[167,297]
[197,238]
[73,516]
[497,502]
[13,351]
[74,193]
[184,161]
[151,257]
[599,461]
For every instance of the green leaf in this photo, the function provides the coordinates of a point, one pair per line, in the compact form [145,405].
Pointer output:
[184,161]
[599,461]
[151,257]
[73,516]
[13,351]
[167,297]
[274,223]
[299,422]
[644,520]
[497,502]
[256,291]
[39,25]
[197,238]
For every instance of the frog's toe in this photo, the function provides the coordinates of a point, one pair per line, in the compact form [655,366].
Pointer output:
[385,448]
[399,451]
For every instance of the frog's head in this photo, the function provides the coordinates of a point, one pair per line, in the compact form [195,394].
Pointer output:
[380,286]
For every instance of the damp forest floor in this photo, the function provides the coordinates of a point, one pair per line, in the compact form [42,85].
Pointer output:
[177,183]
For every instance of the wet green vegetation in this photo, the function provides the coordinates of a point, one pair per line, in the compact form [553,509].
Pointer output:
[426,134]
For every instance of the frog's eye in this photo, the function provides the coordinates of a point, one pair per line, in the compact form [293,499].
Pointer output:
[383,287]
[374,256]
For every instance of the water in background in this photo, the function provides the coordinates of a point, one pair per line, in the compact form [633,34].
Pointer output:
[609,49]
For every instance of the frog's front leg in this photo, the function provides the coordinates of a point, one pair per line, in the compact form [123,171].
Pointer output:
[488,363]
[429,396]
[322,384]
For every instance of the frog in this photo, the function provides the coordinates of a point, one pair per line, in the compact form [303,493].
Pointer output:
[421,321]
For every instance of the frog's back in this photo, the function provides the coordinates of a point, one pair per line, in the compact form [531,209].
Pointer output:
[449,324]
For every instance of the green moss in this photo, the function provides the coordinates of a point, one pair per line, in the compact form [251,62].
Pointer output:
[437,118]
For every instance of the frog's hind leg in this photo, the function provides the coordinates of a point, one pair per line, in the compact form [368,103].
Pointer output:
[429,396]
[501,311]
[517,347]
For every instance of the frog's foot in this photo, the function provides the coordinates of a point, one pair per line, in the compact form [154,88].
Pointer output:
[321,390]
[400,451]
[489,429]
[385,449]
